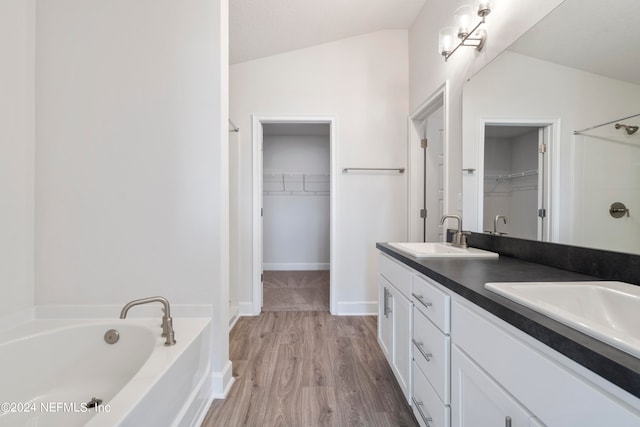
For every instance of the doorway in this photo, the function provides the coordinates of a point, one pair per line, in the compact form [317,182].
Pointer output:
[294,213]
[428,151]
[295,189]
[516,181]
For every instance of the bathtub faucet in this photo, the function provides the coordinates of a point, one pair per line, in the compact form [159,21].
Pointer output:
[167,321]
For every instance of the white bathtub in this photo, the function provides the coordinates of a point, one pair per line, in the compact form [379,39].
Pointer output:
[51,369]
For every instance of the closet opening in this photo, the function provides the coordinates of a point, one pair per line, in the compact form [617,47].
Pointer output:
[516,183]
[296,202]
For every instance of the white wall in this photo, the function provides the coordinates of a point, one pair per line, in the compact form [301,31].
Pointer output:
[428,70]
[131,159]
[508,89]
[363,81]
[296,219]
[17,141]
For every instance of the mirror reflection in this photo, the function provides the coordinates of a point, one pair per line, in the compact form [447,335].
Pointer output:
[571,87]
[513,174]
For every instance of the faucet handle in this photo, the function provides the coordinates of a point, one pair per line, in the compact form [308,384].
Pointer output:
[463,238]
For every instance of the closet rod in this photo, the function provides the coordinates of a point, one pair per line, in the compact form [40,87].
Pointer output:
[578,132]
[346,170]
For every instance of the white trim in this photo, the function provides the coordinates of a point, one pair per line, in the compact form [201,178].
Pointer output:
[245,308]
[222,381]
[257,121]
[233,321]
[357,308]
[439,98]
[276,266]
[552,196]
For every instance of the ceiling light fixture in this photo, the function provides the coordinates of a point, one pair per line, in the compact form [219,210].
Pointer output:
[474,37]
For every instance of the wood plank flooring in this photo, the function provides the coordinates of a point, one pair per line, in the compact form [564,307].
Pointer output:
[309,369]
[296,291]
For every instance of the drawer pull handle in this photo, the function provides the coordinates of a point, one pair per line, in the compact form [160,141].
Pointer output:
[387,307]
[418,406]
[419,345]
[427,304]
[507,421]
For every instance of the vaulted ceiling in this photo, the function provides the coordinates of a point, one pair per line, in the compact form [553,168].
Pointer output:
[259,28]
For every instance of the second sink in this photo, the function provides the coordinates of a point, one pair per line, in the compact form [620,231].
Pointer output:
[608,311]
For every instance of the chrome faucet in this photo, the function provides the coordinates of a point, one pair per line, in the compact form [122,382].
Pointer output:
[167,321]
[459,237]
[495,223]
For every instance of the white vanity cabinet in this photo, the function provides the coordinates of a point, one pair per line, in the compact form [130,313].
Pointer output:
[461,366]
[499,372]
[394,318]
[431,353]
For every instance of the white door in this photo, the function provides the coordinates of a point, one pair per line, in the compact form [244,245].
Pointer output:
[479,401]
[434,177]
[428,186]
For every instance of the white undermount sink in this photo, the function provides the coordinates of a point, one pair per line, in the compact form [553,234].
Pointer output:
[608,311]
[441,250]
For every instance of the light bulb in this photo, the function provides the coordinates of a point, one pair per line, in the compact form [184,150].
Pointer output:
[447,38]
[464,16]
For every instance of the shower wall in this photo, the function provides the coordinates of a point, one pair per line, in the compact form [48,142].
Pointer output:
[17,147]
[608,171]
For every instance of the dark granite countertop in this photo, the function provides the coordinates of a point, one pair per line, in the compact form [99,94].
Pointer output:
[466,277]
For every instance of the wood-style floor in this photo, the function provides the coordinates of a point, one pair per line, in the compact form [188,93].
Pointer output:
[303,369]
[295,291]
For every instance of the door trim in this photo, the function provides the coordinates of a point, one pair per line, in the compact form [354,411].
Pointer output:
[551,129]
[439,98]
[257,122]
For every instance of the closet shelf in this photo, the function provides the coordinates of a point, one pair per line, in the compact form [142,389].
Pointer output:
[295,183]
[513,175]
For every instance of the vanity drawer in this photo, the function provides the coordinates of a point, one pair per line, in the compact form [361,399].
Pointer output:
[431,352]
[427,407]
[431,301]
[398,275]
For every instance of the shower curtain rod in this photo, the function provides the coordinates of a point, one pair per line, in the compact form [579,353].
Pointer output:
[233,127]
[577,132]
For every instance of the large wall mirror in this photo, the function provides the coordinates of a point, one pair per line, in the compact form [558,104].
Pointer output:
[551,149]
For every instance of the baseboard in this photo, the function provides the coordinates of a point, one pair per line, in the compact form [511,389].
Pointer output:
[246,309]
[113,311]
[296,266]
[233,321]
[222,381]
[356,308]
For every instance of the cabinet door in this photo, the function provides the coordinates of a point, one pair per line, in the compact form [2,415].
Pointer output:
[402,340]
[385,318]
[479,401]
